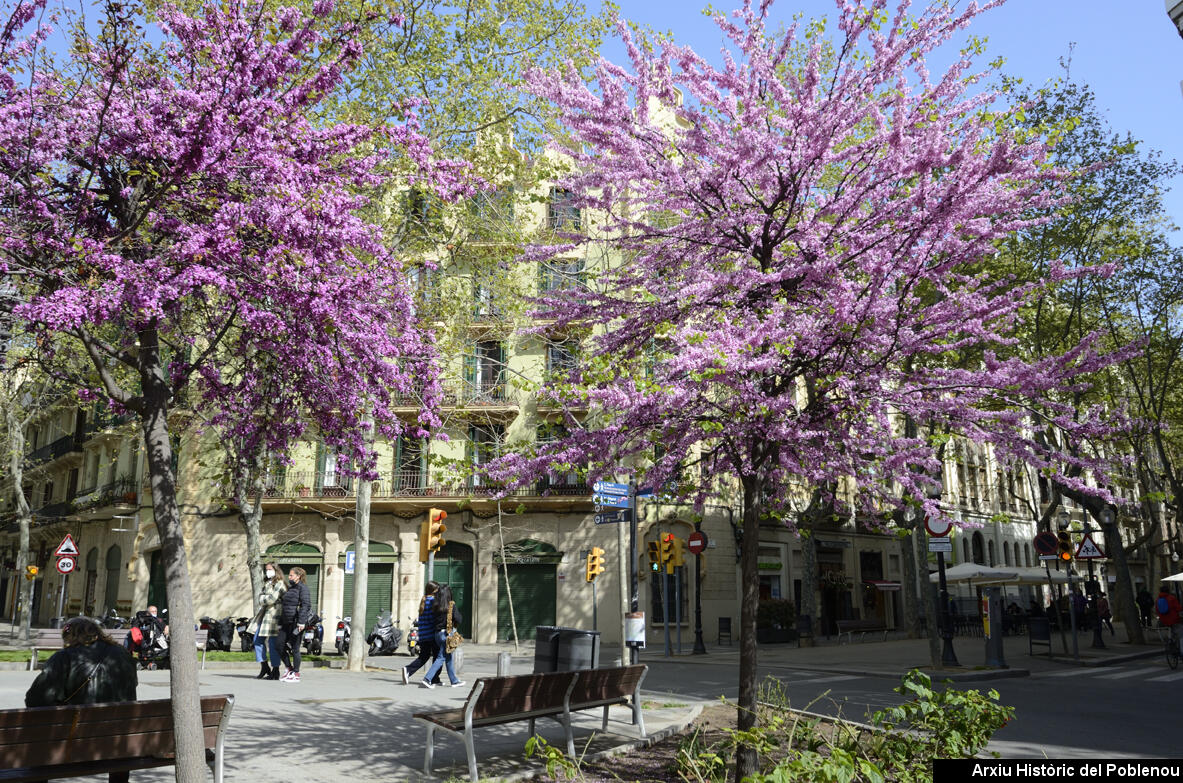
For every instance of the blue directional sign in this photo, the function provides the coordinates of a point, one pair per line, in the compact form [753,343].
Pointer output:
[610,488]
[612,501]
[618,515]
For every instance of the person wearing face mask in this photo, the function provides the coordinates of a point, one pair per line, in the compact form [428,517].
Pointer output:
[297,609]
[267,622]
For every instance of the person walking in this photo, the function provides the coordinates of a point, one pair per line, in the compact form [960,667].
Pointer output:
[90,668]
[295,611]
[267,622]
[1104,613]
[425,624]
[446,618]
[1168,609]
[1145,603]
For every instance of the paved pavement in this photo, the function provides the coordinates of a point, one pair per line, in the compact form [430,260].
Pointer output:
[337,724]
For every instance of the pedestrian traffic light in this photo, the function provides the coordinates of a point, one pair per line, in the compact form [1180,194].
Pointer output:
[30,572]
[654,555]
[431,533]
[1064,543]
[595,563]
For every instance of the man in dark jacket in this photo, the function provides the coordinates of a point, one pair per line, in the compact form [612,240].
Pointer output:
[295,611]
[90,668]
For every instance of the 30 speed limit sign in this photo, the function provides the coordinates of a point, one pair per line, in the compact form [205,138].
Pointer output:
[66,564]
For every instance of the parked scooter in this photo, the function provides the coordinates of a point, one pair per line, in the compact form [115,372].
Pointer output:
[413,637]
[148,644]
[112,619]
[314,634]
[242,626]
[385,636]
[221,632]
[343,633]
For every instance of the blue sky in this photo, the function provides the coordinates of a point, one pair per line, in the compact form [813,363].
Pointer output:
[1128,52]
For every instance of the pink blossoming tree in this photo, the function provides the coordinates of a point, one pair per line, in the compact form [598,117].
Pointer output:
[801,237]
[171,208]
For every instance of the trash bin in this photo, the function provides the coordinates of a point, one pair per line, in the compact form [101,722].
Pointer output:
[578,650]
[546,648]
[55,622]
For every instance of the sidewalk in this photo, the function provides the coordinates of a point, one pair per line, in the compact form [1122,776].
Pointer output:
[341,725]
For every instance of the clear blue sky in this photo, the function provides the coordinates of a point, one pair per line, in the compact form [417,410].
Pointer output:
[1128,52]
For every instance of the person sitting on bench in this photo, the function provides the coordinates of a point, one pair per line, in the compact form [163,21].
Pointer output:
[89,668]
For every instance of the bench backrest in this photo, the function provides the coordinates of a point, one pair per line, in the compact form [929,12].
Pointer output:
[599,685]
[524,693]
[40,736]
[47,637]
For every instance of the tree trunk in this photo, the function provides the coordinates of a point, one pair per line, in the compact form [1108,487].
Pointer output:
[1124,599]
[809,579]
[16,471]
[919,539]
[250,515]
[908,587]
[746,759]
[186,703]
[358,646]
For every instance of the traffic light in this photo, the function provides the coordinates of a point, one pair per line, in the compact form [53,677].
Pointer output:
[654,555]
[679,551]
[30,572]
[1064,543]
[667,552]
[595,563]
[431,533]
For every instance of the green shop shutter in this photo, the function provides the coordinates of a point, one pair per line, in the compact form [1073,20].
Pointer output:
[533,588]
[297,553]
[453,567]
[379,586]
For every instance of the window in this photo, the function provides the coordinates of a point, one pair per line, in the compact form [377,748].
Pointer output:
[564,482]
[484,298]
[491,212]
[332,473]
[409,468]
[423,211]
[424,281]
[560,360]
[561,212]
[560,274]
[484,446]
[484,373]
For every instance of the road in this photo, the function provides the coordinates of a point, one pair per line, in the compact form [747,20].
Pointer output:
[1126,711]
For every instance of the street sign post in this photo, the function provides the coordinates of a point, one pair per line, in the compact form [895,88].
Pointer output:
[942,544]
[66,564]
[696,542]
[1045,543]
[937,529]
[1088,549]
[610,488]
[611,516]
[611,501]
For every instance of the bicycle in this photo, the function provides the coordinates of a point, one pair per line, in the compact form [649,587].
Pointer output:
[1172,650]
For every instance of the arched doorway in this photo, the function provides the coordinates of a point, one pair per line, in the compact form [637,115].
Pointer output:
[979,553]
[113,564]
[297,553]
[453,567]
[528,577]
[379,586]
[157,582]
[92,582]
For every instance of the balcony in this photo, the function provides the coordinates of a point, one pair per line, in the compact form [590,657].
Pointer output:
[402,485]
[64,446]
[114,493]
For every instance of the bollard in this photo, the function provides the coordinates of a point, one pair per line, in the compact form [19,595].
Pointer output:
[503,664]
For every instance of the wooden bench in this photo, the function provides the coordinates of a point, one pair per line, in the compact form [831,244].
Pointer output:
[861,627]
[51,639]
[42,743]
[495,701]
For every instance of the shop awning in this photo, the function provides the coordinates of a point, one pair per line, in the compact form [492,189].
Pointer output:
[882,584]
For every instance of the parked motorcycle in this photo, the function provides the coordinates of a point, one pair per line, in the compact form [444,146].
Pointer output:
[147,642]
[343,633]
[413,637]
[112,619]
[385,636]
[221,632]
[314,634]
[241,625]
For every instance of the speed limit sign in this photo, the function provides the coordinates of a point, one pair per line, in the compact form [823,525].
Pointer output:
[66,564]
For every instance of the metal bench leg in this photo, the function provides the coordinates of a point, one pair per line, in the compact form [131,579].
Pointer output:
[566,718]
[429,749]
[638,718]
[605,726]
[204,647]
[531,727]
[468,746]
[218,764]
[32,659]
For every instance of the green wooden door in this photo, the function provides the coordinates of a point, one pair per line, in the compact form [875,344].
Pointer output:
[533,590]
[453,567]
[157,583]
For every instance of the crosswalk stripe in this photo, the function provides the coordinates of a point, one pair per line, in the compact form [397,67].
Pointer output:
[1067,673]
[835,678]
[1167,677]
[1129,673]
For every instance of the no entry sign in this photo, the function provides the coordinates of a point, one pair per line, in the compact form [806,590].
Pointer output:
[697,542]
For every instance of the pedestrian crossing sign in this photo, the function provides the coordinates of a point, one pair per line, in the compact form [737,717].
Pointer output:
[1088,550]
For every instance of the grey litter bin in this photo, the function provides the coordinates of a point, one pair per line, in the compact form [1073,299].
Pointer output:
[546,648]
[578,649]
[55,622]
